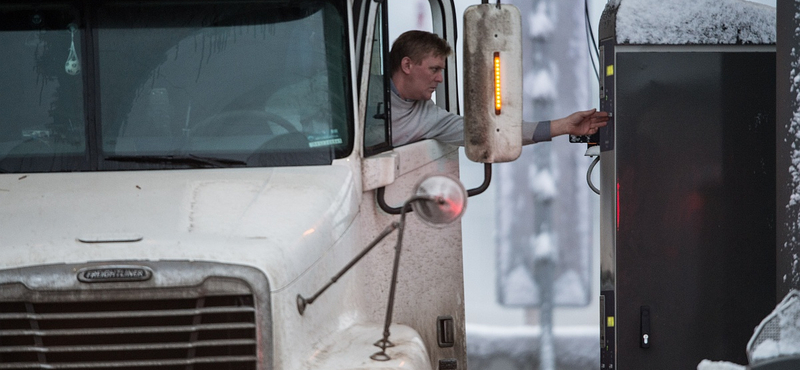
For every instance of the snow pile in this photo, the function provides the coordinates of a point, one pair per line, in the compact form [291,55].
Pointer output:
[794,169]
[720,365]
[778,335]
[679,22]
[542,183]
[540,86]
[539,23]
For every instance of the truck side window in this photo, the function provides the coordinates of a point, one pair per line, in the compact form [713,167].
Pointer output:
[377,131]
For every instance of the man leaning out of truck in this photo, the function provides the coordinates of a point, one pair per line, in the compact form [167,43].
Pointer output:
[417,61]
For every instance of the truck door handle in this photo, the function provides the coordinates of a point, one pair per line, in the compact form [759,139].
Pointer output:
[445,330]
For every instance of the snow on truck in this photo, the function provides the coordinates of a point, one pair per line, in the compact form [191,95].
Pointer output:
[211,185]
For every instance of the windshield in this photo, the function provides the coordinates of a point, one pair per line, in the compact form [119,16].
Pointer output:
[146,85]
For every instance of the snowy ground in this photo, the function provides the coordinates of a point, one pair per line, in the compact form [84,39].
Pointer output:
[493,347]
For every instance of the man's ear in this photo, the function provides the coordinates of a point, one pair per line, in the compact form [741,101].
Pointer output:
[405,65]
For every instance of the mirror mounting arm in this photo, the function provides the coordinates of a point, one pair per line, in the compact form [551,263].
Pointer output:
[487,179]
[381,191]
[439,200]
[302,302]
[380,197]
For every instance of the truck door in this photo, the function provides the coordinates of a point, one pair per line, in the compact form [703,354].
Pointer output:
[430,285]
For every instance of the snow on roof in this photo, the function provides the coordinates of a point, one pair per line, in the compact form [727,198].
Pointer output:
[679,22]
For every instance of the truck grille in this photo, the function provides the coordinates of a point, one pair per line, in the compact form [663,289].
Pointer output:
[194,321]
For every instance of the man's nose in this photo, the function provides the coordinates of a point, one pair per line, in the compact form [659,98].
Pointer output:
[439,77]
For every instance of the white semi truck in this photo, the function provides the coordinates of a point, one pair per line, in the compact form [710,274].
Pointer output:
[179,179]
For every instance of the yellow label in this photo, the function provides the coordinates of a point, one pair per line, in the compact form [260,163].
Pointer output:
[609,70]
[610,321]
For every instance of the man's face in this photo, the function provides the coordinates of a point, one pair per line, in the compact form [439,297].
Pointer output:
[424,77]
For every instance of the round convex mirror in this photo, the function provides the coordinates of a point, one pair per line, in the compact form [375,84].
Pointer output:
[444,200]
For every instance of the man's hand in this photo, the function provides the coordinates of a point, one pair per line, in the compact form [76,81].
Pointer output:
[579,123]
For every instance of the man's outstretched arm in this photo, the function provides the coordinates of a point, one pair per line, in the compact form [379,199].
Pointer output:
[579,123]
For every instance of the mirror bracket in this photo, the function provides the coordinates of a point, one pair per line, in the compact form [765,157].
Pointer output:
[381,192]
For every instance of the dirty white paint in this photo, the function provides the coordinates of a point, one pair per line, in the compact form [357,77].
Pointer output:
[179,215]
[352,348]
[379,170]
[299,226]
[492,136]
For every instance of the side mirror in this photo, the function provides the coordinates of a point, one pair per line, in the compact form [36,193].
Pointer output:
[442,200]
[492,83]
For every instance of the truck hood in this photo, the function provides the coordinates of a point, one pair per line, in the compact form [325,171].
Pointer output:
[280,220]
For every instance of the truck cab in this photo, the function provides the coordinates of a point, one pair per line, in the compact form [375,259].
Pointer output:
[175,174]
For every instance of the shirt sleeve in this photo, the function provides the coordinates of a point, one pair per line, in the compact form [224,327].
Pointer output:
[449,128]
[535,132]
[417,120]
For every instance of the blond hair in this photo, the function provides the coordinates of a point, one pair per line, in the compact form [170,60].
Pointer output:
[417,45]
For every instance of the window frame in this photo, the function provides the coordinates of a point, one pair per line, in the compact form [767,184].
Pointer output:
[380,23]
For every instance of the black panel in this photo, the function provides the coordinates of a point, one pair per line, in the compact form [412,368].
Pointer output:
[695,148]
[607,69]
[607,329]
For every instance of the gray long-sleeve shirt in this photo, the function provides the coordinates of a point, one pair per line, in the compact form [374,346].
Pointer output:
[414,120]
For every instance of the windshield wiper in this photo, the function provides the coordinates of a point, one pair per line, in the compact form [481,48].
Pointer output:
[189,159]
